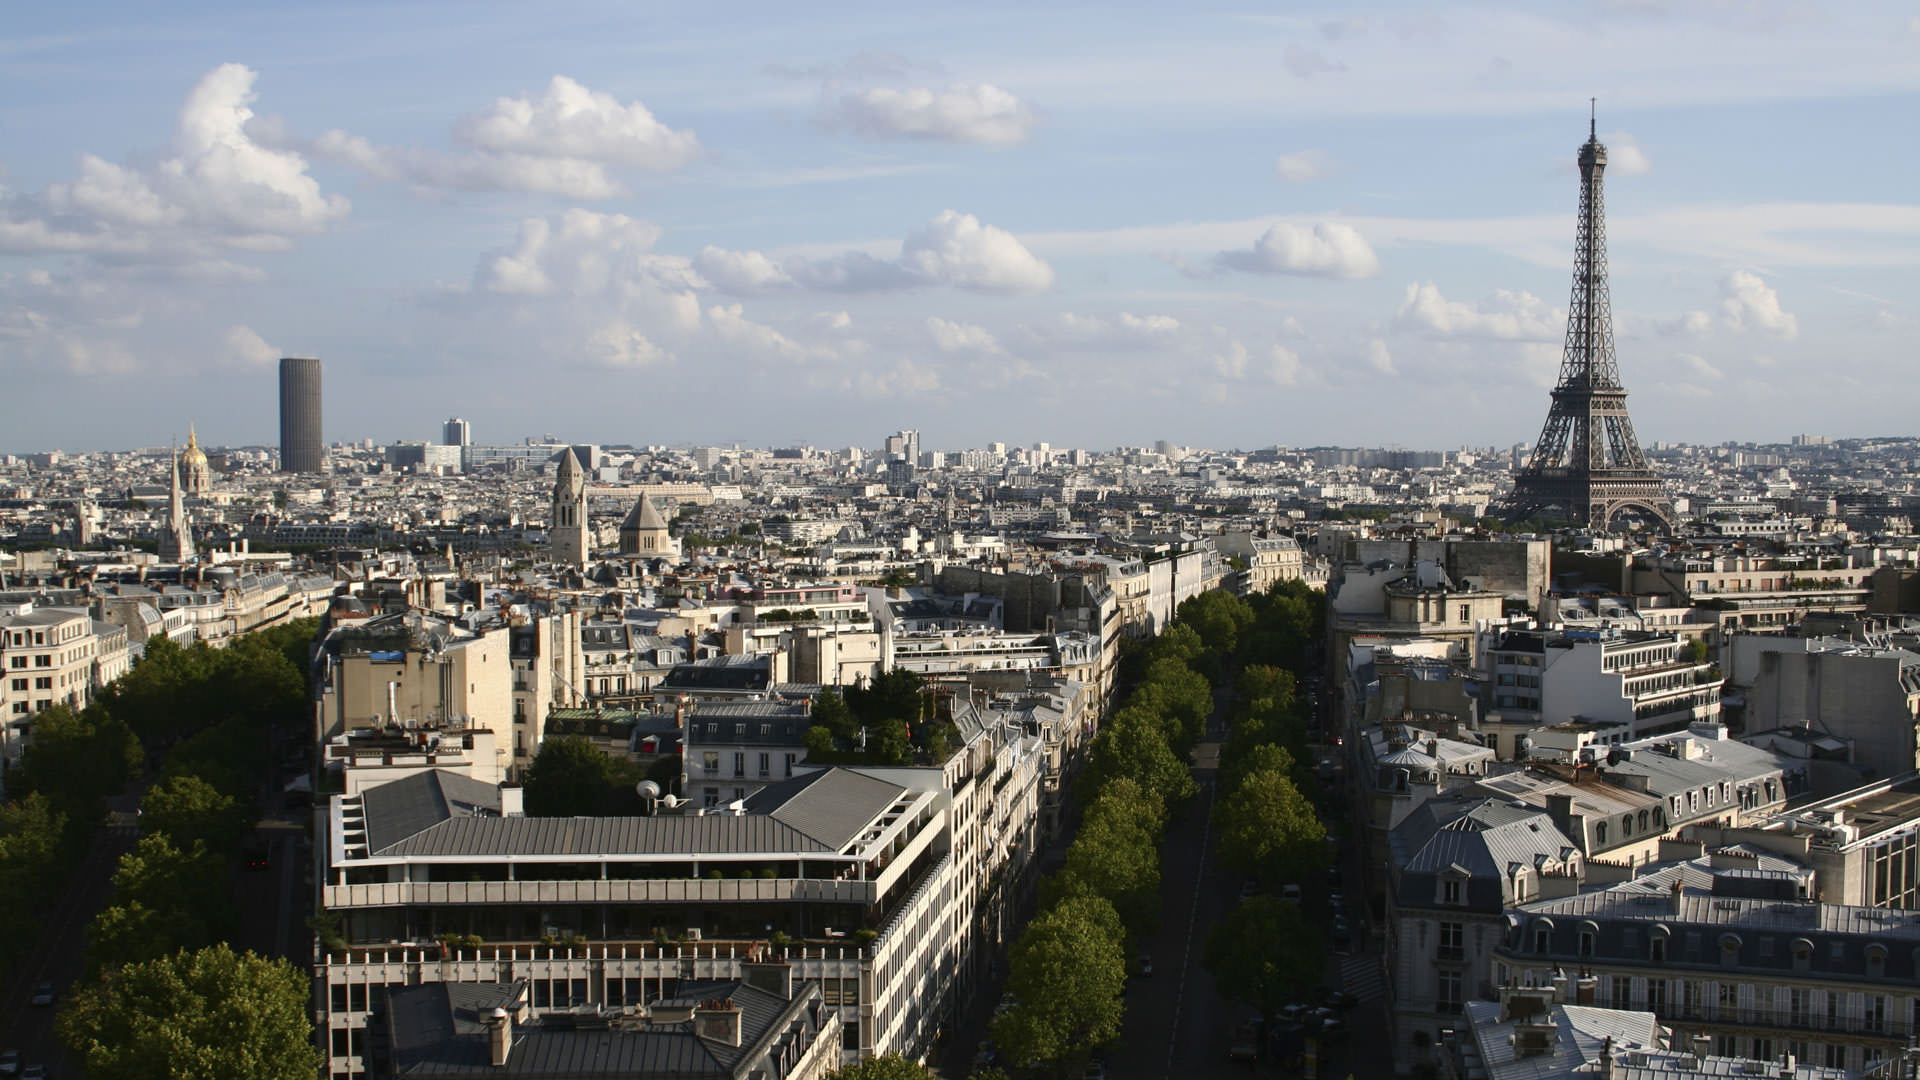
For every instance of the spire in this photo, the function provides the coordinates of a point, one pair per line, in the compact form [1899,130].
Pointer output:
[176,544]
[1593,119]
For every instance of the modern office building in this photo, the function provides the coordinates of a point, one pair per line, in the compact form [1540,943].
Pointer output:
[301,449]
[456,432]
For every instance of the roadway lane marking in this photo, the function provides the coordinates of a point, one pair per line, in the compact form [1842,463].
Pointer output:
[1193,916]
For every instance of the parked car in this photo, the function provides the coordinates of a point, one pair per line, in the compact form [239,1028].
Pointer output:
[1290,893]
[259,855]
[1144,966]
[1338,1000]
[1249,889]
[34,1072]
[1332,1029]
[10,1063]
[1094,1071]
[1246,1043]
[42,994]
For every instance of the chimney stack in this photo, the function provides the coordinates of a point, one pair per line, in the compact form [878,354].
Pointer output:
[1700,1046]
[774,976]
[1583,989]
[718,1020]
[1788,1067]
[499,1037]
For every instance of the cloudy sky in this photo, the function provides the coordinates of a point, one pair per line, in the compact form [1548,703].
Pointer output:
[1089,225]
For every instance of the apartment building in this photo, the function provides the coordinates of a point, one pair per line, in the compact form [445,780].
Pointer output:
[888,886]
[1866,693]
[1863,845]
[1634,682]
[52,656]
[1736,955]
[1755,593]
[735,748]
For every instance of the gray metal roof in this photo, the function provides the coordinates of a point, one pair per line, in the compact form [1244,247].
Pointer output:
[831,807]
[409,806]
[712,834]
[1488,841]
[438,1031]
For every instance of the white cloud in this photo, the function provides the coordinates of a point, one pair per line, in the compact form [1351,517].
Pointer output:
[247,349]
[1301,166]
[97,357]
[1689,324]
[1380,358]
[735,328]
[1700,368]
[1328,249]
[968,113]
[741,272]
[1748,302]
[1149,324]
[1231,362]
[956,249]
[1624,156]
[1285,368]
[218,188]
[905,379]
[961,337]
[953,249]
[1507,316]
[583,253]
[560,143]
[571,121]
[834,320]
[618,345]
[1306,63]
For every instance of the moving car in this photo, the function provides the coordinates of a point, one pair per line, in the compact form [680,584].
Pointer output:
[1246,1043]
[1144,966]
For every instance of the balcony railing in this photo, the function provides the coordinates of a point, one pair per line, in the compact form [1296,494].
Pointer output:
[1888,1027]
[610,891]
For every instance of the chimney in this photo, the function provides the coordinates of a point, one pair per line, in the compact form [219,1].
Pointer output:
[1788,1067]
[1583,989]
[1606,1059]
[718,1021]
[499,1037]
[1562,987]
[1700,1046]
[774,976]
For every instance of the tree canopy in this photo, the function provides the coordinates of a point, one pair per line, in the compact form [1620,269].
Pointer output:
[1268,831]
[886,1067]
[200,1013]
[1067,972]
[188,809]
[1263,954]
[570,777]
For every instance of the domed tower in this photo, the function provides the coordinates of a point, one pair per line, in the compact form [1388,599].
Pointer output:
[196,476]
[569,528]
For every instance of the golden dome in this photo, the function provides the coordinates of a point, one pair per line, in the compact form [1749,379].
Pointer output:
[193,455]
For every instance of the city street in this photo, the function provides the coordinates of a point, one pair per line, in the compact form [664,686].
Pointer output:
[60,941]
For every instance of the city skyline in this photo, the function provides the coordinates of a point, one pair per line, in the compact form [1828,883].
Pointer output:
[1216,229]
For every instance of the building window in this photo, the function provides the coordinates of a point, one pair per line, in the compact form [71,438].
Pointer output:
[1657,950]
[739,763]
[710,761]
[1466,613]
[44,682]
[1586,943]
[710,797]
[789,766]
[1449,992]
[19,684]
[1450,891]
[1453,941]
[766,769]
[1540,940]
[1600,834]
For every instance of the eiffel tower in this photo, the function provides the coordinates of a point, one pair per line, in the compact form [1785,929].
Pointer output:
[1587,466]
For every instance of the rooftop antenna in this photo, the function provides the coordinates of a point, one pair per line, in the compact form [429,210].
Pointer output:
[1593,113]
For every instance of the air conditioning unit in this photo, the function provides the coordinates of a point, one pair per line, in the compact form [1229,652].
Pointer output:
[693,933]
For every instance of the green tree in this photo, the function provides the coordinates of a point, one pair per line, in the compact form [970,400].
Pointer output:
[1257,682]
[1181,694]
[1263,954]
[1067,970]
[1139,750]
[569,777]
[821,749]
[1268,831]
[892,695]
[188,809]
[201,1013]
[830,711]
[889,1067]
[1116,856]
[77,760]
[32,842]
[1218,617]
[165,898]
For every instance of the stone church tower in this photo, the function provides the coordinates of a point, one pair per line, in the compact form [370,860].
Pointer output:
[569,528]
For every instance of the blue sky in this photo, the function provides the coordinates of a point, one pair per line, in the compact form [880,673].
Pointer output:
[1086,225]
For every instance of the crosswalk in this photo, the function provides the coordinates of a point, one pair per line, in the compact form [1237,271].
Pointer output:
[1361,977]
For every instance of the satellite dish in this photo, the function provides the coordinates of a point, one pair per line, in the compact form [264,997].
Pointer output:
[647,789]
[670,801]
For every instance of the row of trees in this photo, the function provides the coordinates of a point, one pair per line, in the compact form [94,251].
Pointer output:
[164,994]
[1263,954]
[1068,969]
